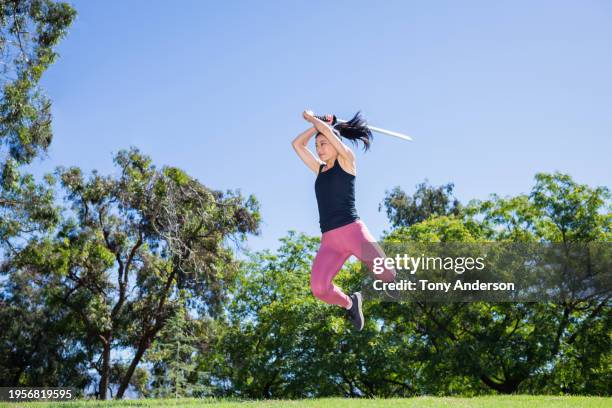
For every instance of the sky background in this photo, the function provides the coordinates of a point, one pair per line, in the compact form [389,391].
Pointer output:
[491,92]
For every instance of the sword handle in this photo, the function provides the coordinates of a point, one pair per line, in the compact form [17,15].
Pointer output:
[320,117]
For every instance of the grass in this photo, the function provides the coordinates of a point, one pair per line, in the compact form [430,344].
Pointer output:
[419,402]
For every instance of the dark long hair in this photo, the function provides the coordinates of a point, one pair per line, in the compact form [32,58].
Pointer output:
[354,130]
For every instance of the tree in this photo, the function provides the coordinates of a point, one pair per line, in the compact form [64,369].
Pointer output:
[34,335]
[514,346]
[29,31]
[279,341]
[173,357]
[404,210]
[131,244]
[40,343]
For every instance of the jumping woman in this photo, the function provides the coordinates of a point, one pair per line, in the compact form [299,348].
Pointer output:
[343,232]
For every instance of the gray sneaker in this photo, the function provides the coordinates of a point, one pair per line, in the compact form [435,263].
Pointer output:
[355,313]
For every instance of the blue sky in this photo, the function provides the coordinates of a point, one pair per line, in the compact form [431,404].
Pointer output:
[492,93]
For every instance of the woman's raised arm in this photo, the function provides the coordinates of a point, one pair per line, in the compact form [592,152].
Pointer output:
[343,150]
[300,146]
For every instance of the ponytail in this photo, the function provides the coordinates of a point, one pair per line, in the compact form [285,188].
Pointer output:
[354,130]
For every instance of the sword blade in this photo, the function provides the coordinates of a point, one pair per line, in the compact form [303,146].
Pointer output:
[385,131]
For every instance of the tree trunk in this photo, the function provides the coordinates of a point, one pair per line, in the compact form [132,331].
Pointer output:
[146,340]
[105,374]
[125,381]
[508,386]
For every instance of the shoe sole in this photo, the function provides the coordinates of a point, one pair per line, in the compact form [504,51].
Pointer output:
[358,297]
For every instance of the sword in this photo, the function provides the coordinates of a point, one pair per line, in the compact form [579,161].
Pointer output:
[373,128]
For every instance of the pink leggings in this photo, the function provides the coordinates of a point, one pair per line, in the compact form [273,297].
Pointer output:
[336,246]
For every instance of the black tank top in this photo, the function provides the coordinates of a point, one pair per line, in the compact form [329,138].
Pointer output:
[335,190]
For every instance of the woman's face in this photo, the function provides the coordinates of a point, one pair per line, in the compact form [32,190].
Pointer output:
[325,150]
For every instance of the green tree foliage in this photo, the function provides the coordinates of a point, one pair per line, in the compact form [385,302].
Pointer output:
[279,341]
[127,247]
[29,31]
[173,357]
[404,210]
[512,346]
[26,209]
[39,341]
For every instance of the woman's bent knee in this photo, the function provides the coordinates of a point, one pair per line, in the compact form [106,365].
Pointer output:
[320,290]
[388,275]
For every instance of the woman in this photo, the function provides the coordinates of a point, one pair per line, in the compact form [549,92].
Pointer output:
[343,232]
